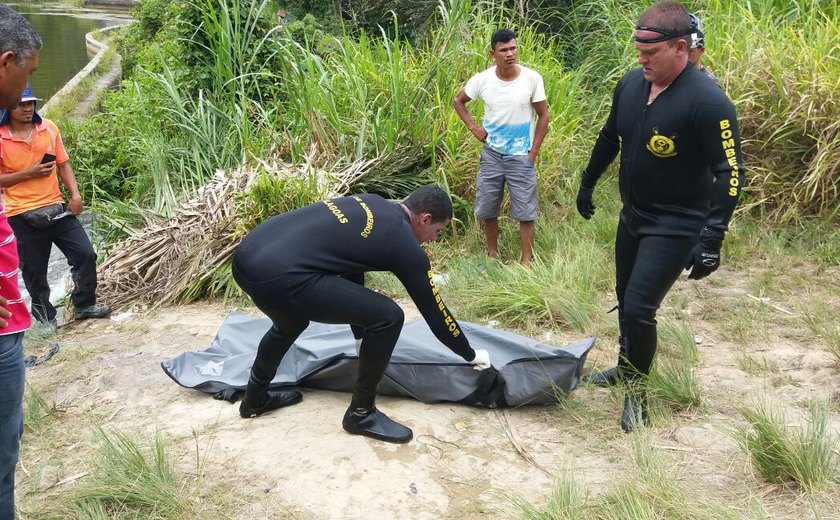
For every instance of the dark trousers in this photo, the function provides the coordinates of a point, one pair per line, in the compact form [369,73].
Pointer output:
[291,301]
[34,247]
[645,269]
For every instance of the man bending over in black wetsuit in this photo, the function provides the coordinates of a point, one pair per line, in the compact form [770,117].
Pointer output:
[679,177]
[309,264]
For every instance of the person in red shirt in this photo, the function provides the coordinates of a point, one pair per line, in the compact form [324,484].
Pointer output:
[31,162]
[19,49]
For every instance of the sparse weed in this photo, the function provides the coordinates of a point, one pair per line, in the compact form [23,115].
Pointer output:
[822,321]
[36,410]
[390,285]
[746,321]
[653,491]
[568,501]
[676,340]
[753,365]
[781,380]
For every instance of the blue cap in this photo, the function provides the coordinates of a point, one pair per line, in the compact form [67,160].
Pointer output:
[26,96]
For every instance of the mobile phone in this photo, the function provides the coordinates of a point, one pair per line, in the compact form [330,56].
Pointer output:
[48,157]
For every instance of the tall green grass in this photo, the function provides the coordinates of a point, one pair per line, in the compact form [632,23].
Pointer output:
[778,62]
[804,456]
[559,289]
[234,85]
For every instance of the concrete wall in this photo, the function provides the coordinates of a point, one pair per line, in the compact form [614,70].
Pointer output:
[112,3]
[93,46]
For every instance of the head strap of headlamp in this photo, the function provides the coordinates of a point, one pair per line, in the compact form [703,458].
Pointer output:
[664,34]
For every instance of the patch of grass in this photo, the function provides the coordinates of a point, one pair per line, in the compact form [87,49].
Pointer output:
[753,365]
[784,380]
[650,489]
[676,339]
[390,285]
[655,490]
[38,336]
[129,481]
[36,410]
[559,289]
[804,456]
[679,301]
[746,321]
[672,384]
[133,327]
[763,282]
[822,322]
[572,409]
[566,502]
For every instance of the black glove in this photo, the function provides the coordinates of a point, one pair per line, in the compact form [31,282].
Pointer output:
[584,202]
[584,197]
[705,257]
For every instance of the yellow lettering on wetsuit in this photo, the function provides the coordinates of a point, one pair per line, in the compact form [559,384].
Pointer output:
[335,211]
[369,218]
[728,144]
[448,320]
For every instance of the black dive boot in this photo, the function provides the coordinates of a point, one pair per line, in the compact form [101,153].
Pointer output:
[370,422]
[612,376]
[259,399]
[635,412]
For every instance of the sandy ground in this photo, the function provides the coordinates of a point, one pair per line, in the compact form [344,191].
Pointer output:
[297,461]
[464,462]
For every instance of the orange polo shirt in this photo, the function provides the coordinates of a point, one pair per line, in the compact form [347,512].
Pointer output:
[17,155]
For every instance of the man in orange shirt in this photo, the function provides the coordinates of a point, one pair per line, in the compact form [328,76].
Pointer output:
[31,154]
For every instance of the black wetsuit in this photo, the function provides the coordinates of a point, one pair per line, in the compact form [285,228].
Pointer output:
[309,264]
[680,173]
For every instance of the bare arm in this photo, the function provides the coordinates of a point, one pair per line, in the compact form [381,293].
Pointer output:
[35,171]
[68,178]
[460,103]
[541,108]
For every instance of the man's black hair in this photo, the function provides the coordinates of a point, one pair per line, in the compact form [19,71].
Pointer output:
[17,35]
[501,36]
[430,199]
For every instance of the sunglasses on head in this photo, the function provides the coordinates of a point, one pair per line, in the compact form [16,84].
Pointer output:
[664,34]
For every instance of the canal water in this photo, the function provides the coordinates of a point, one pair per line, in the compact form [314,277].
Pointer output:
[63,30]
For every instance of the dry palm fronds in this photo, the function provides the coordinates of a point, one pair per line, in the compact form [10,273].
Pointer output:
[159,263]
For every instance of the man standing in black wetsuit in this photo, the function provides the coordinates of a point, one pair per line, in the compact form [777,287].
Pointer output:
[680,176]
[309,264]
